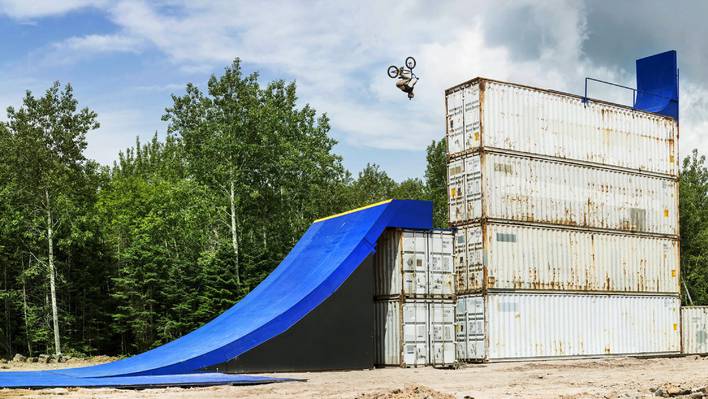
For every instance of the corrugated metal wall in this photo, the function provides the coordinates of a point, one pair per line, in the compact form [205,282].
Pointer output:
[553,258]
[442,332]
[470,330]
[414,306]
[414,263]
[533,325]
[694,329]
[529,120]
[414,332]
[401,263]
[524,189]
[441,271]
[567,216]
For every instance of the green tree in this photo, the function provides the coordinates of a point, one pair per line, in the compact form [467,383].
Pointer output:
[436,181]
[413,189]
[372,185]
[157,223]
[177,229]
[268,162]
[46,144]
[693,206]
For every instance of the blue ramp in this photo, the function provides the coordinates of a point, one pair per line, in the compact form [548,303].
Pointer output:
[56,379]
[658,84]
[326,255]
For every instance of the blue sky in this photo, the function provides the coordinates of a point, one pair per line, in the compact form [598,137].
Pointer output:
[125,58]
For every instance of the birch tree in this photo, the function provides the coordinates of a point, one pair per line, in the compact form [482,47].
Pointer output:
[47,140]
[436,181]
[266,158]
[693,204]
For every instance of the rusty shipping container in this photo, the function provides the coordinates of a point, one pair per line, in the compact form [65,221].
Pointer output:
[414,332]
[414,263]
[483,113]
[694,329]
[498,186]
[503,256]
[513,326]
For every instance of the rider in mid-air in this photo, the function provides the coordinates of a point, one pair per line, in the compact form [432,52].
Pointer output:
[406,81]
[406,78]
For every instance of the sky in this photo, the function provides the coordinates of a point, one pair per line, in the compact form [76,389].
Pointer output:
[125,59]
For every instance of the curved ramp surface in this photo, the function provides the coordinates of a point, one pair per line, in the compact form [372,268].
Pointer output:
[658,84]
[320,262]
[56,379]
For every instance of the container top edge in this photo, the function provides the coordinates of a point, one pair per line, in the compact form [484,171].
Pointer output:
[558,92]
[460,157]
[561,227]
[433,230]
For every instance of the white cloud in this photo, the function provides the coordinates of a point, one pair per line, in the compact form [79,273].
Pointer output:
[338,54]
[118,131]
[694,118]
[100,43]
[27,9]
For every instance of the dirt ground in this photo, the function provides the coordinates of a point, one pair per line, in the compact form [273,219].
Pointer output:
[598,378]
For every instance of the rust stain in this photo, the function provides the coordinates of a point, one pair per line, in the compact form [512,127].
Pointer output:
[492,281]
[608,282]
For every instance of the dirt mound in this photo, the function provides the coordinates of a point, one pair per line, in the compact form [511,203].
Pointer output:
[670,390]
[409,392]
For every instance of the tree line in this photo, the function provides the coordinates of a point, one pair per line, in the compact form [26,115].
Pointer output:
[119,259]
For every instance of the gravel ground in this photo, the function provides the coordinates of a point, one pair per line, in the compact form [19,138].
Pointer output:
[604,378]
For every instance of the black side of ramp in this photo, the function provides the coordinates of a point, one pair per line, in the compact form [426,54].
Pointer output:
[337,335]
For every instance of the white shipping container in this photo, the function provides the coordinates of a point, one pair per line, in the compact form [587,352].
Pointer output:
[513,256]
[441,272]
[442,333]
[694,329]
[414,332]
[414,263]
[524,189]
[490,114]
[554,325]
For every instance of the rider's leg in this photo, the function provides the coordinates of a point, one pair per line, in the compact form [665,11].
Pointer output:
[403,84]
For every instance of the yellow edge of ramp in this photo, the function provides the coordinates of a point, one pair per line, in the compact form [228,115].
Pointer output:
[353,210]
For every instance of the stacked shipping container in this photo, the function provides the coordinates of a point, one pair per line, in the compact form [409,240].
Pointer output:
[694,329]
[414,305]
[567,224]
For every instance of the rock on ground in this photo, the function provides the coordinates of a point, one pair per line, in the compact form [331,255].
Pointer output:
[670,390]
[409,392]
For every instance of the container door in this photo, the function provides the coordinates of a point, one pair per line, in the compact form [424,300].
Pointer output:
[441,265]
[415,263]
[460,259]
[473,187]
[475,258]
[470,328]
[455,127]
[442,333]
[456,191]
[415,334]
[473,132]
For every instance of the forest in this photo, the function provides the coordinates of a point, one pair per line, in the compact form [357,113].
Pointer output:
[117,259]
